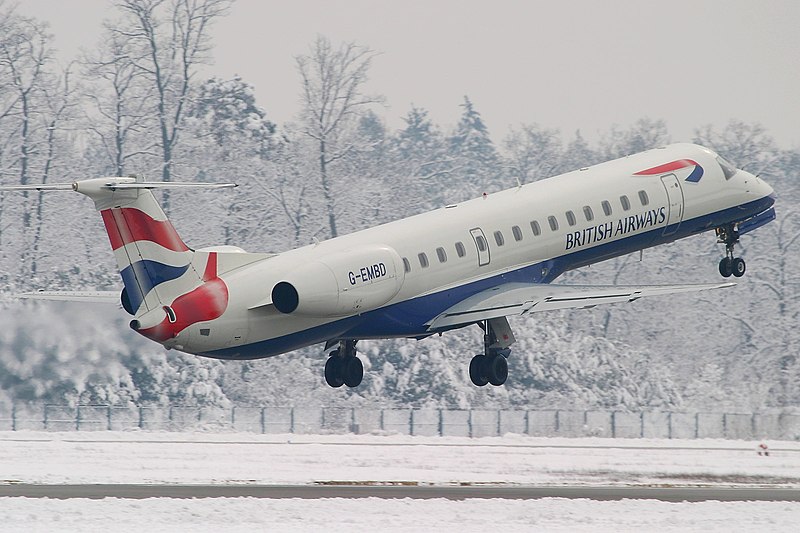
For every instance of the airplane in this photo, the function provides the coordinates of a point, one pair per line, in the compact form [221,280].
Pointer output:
[472,263]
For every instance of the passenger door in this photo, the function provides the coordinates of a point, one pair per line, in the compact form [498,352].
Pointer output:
[675,201]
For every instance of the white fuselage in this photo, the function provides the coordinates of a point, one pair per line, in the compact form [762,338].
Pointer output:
[393,280]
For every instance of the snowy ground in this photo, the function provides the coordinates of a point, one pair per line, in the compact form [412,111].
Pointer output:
[205,458]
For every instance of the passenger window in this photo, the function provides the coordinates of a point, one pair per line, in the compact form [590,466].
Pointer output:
[441,255]
[535,228]
[553,223]
[626,204]
[460,249]
[643,198]
[517,233]
[481,242]
[570,218]
[423,260]
[498,237]
[606,208]
[406,264]
[587,212]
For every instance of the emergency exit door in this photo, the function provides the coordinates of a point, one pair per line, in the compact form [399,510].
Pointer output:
[482,245]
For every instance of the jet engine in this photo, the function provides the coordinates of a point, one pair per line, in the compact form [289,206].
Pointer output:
[342,283]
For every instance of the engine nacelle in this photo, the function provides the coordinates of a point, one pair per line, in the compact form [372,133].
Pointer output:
[344,283]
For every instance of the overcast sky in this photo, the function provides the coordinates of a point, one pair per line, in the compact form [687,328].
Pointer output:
[569,64]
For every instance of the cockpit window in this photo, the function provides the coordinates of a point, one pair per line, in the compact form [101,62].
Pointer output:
[727,168]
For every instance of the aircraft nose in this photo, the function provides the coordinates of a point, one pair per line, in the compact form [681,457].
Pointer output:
[764,189]
[759,188]
[763,192]
[772,197]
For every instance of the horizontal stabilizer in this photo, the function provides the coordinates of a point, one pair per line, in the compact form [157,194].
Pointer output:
[73,296]
[39,187]
[114,184]
[522,298]
[169,185]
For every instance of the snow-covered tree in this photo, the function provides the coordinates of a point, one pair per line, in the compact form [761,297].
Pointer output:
[334,100]
[226,110]
[644,134]
[578,154]
[171,40]
[228,138]
[420,169]
[119,113]
[35,98]
[534,152]
[476,159]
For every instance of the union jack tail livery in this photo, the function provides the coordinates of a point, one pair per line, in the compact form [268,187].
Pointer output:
[155,264]
[167,285]
[164,279]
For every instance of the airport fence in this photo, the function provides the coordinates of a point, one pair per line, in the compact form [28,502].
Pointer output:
[427,422]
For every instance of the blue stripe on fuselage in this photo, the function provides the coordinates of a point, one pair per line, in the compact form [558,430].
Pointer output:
[696,174]
[408,318]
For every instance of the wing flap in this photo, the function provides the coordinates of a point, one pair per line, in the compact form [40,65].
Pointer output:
[522,298]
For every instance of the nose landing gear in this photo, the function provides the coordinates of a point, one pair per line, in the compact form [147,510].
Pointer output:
[730,265]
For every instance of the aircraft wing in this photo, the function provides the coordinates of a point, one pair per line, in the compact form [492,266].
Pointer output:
[73,296]
[522,298]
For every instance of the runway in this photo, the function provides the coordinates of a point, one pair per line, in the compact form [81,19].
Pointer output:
[401,490]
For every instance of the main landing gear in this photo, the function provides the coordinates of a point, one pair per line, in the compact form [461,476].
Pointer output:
[343,366]
[492,366]
[729,264]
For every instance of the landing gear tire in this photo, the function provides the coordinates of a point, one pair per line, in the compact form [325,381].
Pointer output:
[485,369]
[497,369]
[492,365]
[738,267]
[333,375]
[353,371]
[343,367]
[477,371]
[726,267]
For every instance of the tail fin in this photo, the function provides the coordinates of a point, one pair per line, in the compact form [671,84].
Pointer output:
[168,286]
[155,264]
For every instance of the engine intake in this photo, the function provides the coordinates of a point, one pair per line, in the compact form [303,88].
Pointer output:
[285,297]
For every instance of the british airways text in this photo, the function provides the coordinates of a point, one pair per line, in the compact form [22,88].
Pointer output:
[367,274]
[623,226]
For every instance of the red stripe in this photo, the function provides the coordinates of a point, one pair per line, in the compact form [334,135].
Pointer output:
[204,303]
[668,167]
[211,267]
[128,225]
[111,229]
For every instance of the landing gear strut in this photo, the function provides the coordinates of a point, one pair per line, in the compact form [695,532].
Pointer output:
[492,366]
[343,366]
[729,264]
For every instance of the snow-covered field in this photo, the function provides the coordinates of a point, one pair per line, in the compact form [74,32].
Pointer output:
[239,458]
